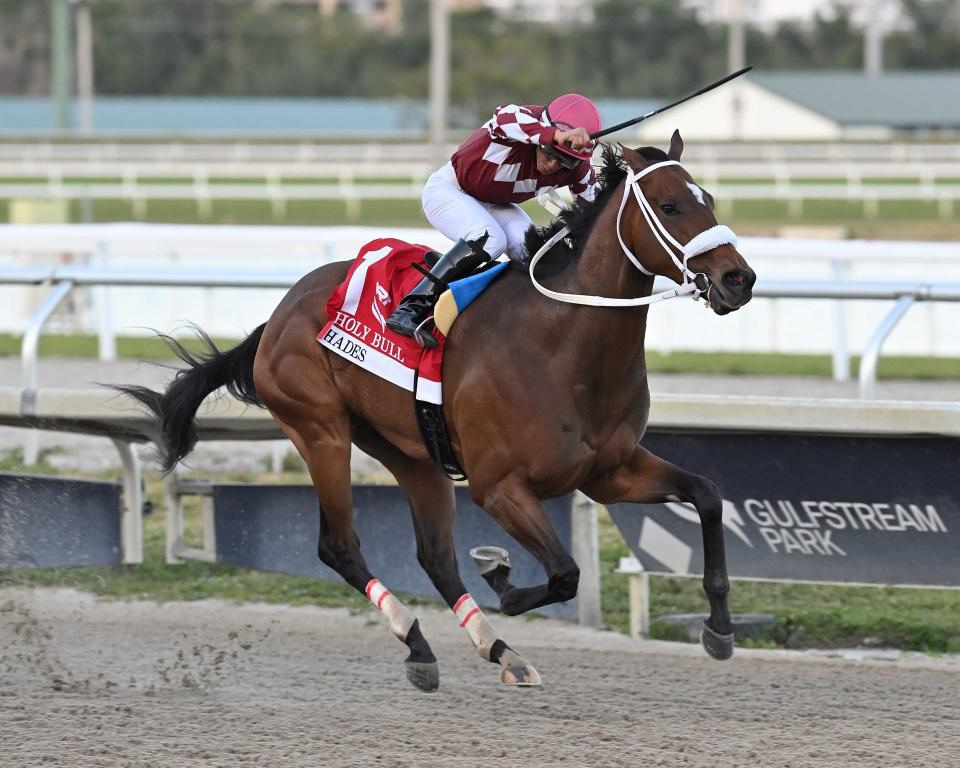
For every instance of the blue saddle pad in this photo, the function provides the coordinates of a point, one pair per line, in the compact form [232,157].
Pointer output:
[466,290]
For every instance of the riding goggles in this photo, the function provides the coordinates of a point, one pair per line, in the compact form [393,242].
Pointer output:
[566,161]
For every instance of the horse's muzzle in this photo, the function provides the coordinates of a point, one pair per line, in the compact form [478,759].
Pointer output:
[732,290]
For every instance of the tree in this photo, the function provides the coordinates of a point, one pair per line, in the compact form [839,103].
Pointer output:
[24,47]
[647,48]
[631,49]
[931,39]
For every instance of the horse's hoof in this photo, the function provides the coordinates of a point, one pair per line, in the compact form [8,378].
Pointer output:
[424,675]
[488,559]
[719,646]
[517,671]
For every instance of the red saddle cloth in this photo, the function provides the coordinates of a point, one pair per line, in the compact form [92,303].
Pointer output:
[358,309]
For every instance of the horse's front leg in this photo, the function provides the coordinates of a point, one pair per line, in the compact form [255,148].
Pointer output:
[518,511]
[647,479]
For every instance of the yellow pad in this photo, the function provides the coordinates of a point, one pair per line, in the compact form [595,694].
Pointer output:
[445,312]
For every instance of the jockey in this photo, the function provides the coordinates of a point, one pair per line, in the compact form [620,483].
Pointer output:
[521,152]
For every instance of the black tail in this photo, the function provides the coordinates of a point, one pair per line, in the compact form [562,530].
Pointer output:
[176,408]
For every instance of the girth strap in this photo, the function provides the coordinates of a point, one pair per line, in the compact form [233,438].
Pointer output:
[433,432]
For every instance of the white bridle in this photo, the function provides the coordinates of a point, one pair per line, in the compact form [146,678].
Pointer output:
[707,240]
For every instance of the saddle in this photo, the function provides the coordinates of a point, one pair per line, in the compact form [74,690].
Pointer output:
[382,274]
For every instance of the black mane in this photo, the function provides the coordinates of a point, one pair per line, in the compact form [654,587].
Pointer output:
[581,218]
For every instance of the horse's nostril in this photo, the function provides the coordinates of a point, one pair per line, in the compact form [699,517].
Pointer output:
[736,279]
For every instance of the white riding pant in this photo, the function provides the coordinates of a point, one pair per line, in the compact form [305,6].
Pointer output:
[457,215]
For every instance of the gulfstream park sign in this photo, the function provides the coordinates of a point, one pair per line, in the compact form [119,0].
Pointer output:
[809,529]
[812,508]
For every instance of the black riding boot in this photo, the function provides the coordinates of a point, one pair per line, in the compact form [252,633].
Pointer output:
[409,318]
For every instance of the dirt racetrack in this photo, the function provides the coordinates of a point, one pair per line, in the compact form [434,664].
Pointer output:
[96,683]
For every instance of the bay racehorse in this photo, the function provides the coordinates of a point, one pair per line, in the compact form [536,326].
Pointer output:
[542,397]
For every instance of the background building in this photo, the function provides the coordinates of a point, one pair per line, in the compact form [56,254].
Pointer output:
[768,13]
[789,106]
[546,11]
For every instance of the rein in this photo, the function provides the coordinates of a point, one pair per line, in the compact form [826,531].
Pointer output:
[707,240]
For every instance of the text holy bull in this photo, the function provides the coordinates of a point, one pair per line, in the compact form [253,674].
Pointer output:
[364,333]
[808,526]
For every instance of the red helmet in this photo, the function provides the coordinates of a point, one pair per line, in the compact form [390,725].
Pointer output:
[574,111]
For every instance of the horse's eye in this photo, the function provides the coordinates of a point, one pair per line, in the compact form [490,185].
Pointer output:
[669,209]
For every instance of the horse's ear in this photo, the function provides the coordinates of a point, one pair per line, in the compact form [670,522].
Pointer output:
[676,146]
[634,159]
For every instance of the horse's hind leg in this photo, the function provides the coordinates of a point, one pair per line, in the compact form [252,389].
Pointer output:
[324,444]
[430,496]
[647,479]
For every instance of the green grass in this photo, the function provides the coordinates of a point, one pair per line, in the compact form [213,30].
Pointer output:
[85,346]
[381,213]
[894,219]
[387,213]
[866,181]
[770,364]
[402,181]
[806,615]
[726,363]
[155,580]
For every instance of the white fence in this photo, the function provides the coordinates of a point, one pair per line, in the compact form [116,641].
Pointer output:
[281,172]
[223,150]
[768,325]
[710,170]
[272,190]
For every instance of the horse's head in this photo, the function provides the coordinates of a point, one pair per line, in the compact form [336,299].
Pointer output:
[672,231]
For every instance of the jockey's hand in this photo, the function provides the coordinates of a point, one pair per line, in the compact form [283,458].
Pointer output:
[576,138]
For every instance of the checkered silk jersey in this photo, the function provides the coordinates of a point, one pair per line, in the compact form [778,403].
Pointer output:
[498,164]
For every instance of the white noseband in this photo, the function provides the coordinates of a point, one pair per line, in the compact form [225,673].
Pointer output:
[707,240]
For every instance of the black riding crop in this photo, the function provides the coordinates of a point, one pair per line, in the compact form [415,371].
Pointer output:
[703,90]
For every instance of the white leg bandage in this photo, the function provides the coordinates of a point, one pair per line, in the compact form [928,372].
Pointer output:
[480,630]
[397,614]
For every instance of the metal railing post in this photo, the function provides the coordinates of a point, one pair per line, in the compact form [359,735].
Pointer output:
[131,524]
[639,589]
[174,518]
[841,357]
[29,350]
[871,353]
[586,551]
[106,338]
[177,549]
[640,605]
